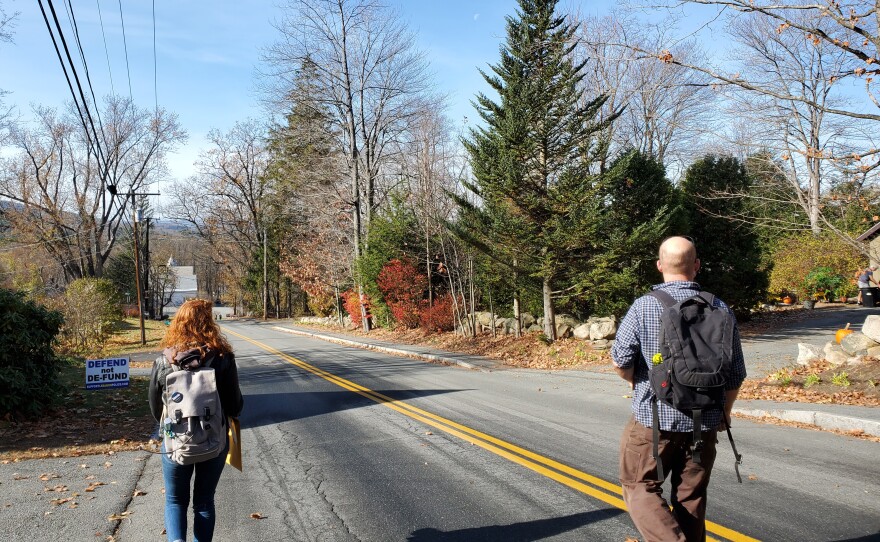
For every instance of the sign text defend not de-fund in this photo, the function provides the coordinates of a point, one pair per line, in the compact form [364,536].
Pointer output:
[106,373]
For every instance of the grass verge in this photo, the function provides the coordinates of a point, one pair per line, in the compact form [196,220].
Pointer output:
[86,422]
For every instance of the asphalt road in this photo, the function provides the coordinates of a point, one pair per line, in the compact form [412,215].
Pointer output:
[347,444]
[778,348]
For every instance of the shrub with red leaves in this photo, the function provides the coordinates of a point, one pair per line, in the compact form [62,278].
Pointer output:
[438,317]
[352,306]
[402,286]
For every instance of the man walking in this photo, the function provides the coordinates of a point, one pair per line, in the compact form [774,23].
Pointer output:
[635,351]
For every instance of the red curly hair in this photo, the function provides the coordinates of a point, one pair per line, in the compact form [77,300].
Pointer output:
[193,327]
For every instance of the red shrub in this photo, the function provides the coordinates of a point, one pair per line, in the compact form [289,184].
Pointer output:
[353,306]
[402,286]
[438,317]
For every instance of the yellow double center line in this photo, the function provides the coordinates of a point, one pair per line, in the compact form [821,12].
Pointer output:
[597,488]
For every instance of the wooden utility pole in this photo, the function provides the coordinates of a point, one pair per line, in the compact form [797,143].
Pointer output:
[137,271]
[265,279]
[137,253]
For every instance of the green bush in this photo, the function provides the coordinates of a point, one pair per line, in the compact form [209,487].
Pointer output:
[28,366]
[91,312]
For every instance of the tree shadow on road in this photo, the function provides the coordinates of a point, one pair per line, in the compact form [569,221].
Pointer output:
[516,532]
[272,408]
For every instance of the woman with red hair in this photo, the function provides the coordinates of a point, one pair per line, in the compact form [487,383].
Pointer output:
[194,340]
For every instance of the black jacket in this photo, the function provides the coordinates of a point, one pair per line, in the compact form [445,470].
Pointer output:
[225,371]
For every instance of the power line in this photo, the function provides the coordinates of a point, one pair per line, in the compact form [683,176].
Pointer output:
[82,55]
[84,106]
[125,47]
[155,70]
[106,51]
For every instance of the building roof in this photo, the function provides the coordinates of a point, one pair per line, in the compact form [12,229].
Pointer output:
[870,234]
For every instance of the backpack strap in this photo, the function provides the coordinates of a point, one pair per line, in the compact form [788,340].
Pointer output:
[667,301]
[663,297]
[737,457]
[709,298]
[656,431]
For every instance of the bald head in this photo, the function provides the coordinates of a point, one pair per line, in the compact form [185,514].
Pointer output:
[678,259]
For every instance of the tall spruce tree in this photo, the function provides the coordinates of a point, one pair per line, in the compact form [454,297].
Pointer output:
[531,159]
[729,249]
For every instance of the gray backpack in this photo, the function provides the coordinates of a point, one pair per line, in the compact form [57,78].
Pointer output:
[696,352]
[194,427]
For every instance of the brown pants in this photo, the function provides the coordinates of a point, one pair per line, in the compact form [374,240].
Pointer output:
[643,494]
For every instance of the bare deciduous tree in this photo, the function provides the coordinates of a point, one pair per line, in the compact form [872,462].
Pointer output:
[226,203]
[666,107]
[58,185]
[367,73]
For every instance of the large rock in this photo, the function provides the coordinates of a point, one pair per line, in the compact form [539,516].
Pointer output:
[874,352]
[484,319]
[808,353]
[603,328]
[871,327]
[601,344]
[582,331]
[567,319]
[534,328]
[563,331]
[857,344]
[527,319]
[834,354]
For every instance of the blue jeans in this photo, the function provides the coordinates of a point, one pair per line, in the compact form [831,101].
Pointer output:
[177,484]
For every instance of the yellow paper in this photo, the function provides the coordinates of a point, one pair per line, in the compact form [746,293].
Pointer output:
[234,456]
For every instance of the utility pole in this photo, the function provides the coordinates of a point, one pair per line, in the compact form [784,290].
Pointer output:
[265,279]
[137,253]
[137,271]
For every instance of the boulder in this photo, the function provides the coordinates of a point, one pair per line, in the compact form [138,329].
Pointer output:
[601,344]
[563,331]
[534,328]
[874,352]
[484,319]
[582,331]
[603,328]
[527,319]
[857,344]
[567,319]
[834,354]
[808,353]
[855,360]
[871,327]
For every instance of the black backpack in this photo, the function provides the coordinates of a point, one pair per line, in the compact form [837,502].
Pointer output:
[696,351]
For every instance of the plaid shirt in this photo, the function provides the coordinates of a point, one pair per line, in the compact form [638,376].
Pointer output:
[638,340]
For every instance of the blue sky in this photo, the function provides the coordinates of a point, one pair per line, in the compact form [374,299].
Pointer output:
[208,52]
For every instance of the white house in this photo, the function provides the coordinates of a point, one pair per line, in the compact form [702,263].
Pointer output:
[187,285]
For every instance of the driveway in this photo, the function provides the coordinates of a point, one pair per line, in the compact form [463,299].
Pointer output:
[773,350]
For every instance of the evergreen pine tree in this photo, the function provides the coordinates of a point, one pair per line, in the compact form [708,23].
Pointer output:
[729,249]
[531,161]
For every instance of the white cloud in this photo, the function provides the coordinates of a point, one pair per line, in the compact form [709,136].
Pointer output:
[476,16]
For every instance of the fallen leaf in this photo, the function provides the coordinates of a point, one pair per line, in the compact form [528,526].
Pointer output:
[49,476]
[19,477]
[58,489]
[58,502]
[752,477]
[107,464]
[119,517]
[139,493]
[428,433]
[257,515]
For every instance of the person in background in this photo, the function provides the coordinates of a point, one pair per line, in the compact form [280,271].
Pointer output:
[636,344]
[864,278]
[194,334]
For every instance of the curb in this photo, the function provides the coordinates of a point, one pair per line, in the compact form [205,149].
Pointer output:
[822,420]
[384,349]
